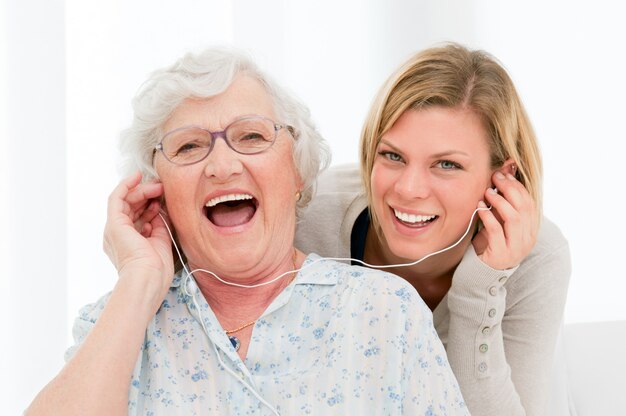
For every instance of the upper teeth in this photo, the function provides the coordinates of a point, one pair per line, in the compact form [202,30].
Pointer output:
[403,216]
[225,198]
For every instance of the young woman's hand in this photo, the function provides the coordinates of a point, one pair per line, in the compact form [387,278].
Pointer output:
[135,236]
[510,227]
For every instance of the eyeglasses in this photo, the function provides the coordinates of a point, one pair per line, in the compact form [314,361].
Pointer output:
[247,136]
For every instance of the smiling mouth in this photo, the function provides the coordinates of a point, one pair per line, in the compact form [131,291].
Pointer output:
[412,220]
[231,210]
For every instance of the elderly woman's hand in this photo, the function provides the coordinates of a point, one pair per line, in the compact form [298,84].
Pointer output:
[135,236]
[510,228]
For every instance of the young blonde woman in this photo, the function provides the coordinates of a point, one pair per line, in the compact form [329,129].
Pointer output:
[448,134]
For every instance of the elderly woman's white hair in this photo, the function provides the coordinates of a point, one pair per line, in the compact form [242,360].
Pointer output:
[205,75]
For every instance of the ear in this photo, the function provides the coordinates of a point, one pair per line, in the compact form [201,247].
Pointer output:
[163,208]
[509,166]
[299,181]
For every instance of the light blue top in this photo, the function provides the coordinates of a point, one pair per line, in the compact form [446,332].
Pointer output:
[339,340]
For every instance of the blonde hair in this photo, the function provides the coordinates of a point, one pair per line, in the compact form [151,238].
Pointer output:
[455,77]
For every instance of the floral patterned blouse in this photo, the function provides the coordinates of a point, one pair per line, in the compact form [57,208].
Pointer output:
[339,340]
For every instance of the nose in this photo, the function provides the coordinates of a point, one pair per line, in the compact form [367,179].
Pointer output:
[223,162]
[413,184]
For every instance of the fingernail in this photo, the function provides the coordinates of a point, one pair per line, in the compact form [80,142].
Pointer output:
[482,204]
[510,177]
[492,191]
[499,175]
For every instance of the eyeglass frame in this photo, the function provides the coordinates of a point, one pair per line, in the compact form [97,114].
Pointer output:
[222,134]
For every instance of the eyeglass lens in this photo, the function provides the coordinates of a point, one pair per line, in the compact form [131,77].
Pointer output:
[192,144]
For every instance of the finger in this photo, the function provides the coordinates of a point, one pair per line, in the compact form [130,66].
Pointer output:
[146,229]
[144,192]
[520,200]
[116,201]
[140,198]
[146,215]
[509,218]
[160,233]
[133,200]
[492,231]
[511,189]
[480,241]
[160,228]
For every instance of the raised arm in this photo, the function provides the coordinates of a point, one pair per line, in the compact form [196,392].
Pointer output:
[96,380]
[504,318]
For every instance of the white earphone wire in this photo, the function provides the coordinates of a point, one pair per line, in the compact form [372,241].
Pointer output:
[189,274]
[373,266]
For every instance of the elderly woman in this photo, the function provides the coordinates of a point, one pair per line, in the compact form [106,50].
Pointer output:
[248,325]
[445,130]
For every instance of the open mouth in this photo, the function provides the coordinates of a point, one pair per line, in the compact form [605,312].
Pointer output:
[415,221]
[231,210]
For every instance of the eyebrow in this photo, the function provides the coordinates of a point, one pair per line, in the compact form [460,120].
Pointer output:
[436,155]
[450,153]
[383,141]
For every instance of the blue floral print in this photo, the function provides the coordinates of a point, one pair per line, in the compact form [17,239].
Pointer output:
[338,340]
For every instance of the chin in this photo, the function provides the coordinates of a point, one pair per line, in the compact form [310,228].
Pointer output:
[410,253]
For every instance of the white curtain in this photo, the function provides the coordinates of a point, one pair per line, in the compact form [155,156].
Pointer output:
[33,277]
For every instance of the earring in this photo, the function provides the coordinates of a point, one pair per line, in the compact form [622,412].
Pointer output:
[298,196]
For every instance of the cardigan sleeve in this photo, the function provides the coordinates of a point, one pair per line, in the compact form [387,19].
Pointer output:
[503,328]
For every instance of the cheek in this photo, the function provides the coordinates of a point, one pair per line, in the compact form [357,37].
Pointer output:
[178,196]
[461,196]
[468,205]
[379,182]
[275,166]
[173,206]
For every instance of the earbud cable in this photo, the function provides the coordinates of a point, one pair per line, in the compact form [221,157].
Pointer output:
[188,275]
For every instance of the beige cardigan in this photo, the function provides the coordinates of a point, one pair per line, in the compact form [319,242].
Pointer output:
[499,327]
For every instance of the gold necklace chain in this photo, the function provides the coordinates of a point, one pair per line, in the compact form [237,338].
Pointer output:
[232,331]
[244,326]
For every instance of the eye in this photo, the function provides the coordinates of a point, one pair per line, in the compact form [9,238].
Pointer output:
[186,141]
[448,165]
[391,156]
[187,147]
[252,136]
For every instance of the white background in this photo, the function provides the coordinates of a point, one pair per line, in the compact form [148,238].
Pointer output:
[68,70]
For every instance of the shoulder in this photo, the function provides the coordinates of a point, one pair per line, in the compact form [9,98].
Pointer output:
[92,311]
[359,286]
[84,322]
[547,268]
[337,189]
[341,179]
[89,314]
[551,250]
[550,239]
[325,225]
